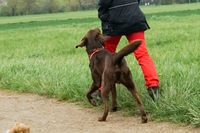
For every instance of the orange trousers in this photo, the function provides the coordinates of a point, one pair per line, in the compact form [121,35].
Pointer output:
[141,54]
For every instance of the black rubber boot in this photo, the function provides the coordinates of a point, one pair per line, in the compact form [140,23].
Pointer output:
[97,96]
[154,92]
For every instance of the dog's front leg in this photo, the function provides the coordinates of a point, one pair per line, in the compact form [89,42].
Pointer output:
[92,89]
[114,99]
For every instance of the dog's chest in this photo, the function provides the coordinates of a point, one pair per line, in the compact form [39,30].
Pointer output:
[97,65]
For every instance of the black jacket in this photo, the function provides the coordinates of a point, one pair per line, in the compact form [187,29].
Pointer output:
[121,17]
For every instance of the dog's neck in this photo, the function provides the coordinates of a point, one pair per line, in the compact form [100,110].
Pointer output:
[94,51]
[94,47]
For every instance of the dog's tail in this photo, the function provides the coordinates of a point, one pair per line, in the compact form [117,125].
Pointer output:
[125,51]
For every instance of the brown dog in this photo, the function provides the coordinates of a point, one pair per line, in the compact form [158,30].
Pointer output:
[107,69]
[19,128]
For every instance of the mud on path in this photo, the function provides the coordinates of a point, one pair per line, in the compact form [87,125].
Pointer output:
[45,115]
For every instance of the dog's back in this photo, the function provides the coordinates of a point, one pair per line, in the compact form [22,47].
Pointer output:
[125,51]
[105,59]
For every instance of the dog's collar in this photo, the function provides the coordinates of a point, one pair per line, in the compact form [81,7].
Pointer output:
[94,51]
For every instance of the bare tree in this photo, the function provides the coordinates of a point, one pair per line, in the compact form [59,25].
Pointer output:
[29,5]
[51,5]
[12,6]
[21,7]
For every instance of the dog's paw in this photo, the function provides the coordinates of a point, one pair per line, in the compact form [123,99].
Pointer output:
[114,109]
[93,102]
[144,119]
[101,119]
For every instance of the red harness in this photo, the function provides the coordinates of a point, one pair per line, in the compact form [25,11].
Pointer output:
[94,52]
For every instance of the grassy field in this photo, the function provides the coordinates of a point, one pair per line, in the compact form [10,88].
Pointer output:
[38,55]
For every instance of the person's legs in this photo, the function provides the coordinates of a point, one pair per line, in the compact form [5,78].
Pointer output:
[111,43]
[145,61]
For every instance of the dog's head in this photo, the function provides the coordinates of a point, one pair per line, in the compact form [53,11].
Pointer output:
[93,39]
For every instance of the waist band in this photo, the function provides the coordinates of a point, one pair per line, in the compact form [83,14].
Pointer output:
[128,4]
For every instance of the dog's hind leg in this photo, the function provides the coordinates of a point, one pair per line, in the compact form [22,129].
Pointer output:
[105,96]
[92,89]
[139,102]
[127,81]
[114,99]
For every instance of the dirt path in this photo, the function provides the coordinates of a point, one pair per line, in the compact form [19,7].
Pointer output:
[51,116]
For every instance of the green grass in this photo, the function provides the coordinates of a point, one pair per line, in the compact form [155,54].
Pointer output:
[93,14]
[46,17]
[37,55]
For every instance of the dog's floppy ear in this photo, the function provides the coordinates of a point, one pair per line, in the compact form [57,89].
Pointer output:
[99,37]
[82,43]
[97,33]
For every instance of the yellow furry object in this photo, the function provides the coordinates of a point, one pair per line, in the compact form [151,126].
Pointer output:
[19,128]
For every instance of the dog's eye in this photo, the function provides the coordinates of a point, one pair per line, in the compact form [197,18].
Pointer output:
[97,36]
[85,40]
